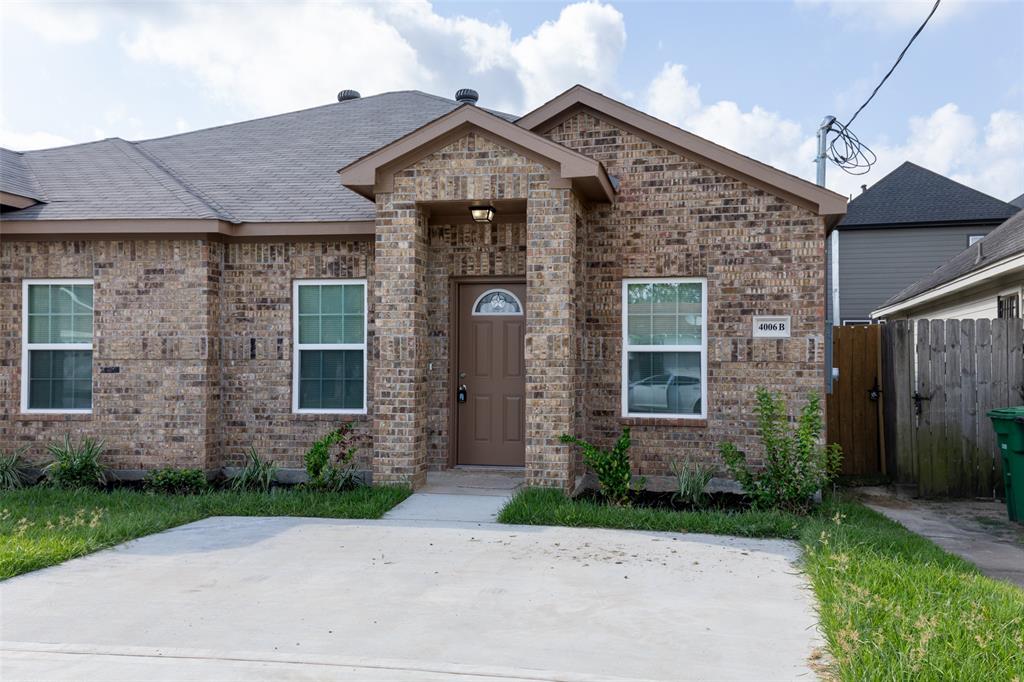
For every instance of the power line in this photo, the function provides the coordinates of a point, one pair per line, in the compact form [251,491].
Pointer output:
[845,149]
[897,63]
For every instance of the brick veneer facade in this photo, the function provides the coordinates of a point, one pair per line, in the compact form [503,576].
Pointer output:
[201,334]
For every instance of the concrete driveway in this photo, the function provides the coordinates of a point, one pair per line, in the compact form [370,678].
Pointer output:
[404,599]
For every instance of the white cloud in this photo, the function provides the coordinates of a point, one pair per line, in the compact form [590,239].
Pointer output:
[583,46]
[275,57]
[22,141]
[64,23]
[946,141]
[889,14]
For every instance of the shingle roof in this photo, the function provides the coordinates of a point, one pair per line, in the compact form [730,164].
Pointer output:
[1018,202]
[275,169]
[911,194]
[1001,243]
[16,177]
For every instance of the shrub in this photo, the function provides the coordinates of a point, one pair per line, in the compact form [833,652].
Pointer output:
[257,474]
[76,465]
[14,471]
[611,466]
[691,481]
[321,472]
[796,464]
[171,481]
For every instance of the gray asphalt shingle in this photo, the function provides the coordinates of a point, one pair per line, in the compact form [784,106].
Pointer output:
[1004,241]
[277,169]
[16,177]
[912,194]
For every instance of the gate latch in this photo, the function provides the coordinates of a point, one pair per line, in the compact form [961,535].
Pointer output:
[874,392]
[918,398]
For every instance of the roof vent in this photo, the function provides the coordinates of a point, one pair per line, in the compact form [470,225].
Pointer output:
[467,96]
[346,95]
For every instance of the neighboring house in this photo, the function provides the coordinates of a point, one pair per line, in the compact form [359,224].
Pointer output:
[984,282]
[1018,202]
[466,289]
[899,230]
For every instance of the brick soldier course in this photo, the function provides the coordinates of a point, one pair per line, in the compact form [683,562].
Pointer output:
[192,341]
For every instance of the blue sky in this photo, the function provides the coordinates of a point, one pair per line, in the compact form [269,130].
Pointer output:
[755,76]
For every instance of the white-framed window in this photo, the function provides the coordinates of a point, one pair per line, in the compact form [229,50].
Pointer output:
[664,348]
[497,302]
[329,346]
[974,239]
[56,350]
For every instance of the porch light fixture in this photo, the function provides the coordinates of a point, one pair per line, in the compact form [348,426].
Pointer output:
[482,214]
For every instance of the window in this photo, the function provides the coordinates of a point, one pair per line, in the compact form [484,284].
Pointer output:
[56,369]
[329,364]
[664,349]
[974,239]
[497,302]
[1008,307]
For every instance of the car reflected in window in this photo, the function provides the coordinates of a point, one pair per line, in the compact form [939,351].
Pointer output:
[671,393]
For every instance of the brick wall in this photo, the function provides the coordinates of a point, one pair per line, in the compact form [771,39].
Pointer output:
[152,331]
[760,254]
[200,336]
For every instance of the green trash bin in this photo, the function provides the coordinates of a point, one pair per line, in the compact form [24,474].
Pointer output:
[1009,425]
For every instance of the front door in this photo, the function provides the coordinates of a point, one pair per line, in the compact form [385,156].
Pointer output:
[490,384]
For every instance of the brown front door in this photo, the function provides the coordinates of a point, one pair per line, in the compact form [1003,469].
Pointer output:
[490,383]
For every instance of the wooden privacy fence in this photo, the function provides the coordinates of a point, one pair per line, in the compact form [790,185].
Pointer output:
[941,377]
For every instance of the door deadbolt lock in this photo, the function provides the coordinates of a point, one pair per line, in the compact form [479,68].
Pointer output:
[463,392]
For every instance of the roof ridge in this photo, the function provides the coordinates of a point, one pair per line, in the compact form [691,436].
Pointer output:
[199,194]
[124,146]
[37,187]
[283,113]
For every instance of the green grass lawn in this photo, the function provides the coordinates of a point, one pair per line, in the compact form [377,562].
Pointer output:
[893,606]
[42,526]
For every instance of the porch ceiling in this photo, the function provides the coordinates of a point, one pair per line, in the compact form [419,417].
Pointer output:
[374,173]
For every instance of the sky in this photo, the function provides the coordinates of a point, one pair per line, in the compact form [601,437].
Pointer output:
[757,77]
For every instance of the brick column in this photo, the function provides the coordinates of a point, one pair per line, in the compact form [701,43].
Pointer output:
[550,335]
[400,318]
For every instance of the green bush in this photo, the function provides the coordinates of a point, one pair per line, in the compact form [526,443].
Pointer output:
[796,464]
[321,472]
[691,482]
[257,474]
[611,467]
[171,481]
[76,465]
[14,471]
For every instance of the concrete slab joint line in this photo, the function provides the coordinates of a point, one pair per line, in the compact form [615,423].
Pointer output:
[413,599]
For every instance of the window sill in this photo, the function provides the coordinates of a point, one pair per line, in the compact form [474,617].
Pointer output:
[328,417]
[668,421]
[53,417]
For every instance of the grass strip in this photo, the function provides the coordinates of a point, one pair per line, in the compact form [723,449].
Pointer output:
[893,605]
[42,526]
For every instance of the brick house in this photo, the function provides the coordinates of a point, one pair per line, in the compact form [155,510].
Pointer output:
[187,297]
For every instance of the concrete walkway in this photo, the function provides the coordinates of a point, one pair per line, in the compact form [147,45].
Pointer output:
[977,531]
[411,599]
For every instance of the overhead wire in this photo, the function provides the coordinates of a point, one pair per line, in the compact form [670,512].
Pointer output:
[845,149]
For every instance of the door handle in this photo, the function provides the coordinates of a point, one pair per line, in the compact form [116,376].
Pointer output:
[463,393]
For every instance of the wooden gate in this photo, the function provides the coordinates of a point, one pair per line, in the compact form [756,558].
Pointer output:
[854,407]
[942,377]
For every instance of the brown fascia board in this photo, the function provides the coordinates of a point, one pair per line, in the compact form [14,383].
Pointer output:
[375,171]
[822,201]
[16,200]
[171,228]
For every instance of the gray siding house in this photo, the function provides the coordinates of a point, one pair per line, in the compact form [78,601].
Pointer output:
[898,231]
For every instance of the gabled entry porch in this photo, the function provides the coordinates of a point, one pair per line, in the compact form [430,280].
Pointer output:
[429,281]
